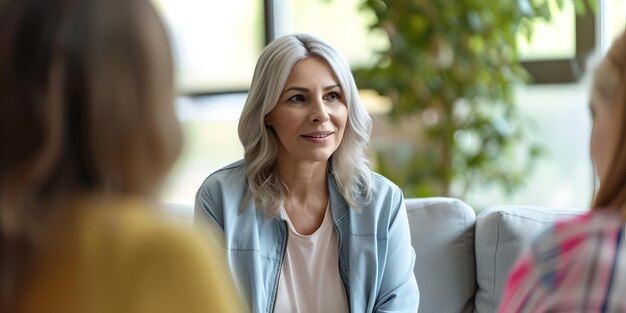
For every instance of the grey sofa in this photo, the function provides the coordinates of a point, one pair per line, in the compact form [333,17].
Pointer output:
[462,260]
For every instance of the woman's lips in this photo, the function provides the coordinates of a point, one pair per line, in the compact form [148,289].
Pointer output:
[318,137]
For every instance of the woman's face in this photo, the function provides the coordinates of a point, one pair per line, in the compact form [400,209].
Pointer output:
[311,114]
[603,135]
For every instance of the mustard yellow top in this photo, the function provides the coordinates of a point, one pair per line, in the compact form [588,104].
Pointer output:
[117,256]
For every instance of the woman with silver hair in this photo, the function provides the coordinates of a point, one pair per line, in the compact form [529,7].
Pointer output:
[308,227]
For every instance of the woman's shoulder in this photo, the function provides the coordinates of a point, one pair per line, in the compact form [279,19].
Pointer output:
[573,237]
[588,225]
[122,249]
[233,173]
[384,193]
[569,248]
[157,252]
[382,185]
[132,224]
[385,197]
[223,191]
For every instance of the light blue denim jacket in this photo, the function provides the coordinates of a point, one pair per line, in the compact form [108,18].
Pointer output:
[375,254]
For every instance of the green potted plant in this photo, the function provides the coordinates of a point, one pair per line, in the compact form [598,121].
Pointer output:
[450,71]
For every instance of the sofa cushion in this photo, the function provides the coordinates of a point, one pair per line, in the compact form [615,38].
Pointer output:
[442,234]
[501,234]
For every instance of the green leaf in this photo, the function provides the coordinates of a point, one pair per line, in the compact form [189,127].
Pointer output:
[442,51]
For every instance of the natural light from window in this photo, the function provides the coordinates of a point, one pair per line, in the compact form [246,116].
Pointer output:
[217,43]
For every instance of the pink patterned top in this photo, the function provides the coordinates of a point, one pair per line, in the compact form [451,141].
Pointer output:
[577,265]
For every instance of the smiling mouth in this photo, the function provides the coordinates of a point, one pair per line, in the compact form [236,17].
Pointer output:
[317,136]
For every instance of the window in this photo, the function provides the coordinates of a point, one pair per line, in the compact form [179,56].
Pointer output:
[559,49]
[615,21]
[216,43]
[542,46]
[338,22]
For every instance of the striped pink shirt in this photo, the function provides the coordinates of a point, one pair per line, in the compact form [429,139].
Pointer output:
[578,265]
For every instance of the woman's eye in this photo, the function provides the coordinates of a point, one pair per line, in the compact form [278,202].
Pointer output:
[333,96]
[296,98]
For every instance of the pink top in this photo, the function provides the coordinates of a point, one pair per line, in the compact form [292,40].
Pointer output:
[577,265]
[309,279]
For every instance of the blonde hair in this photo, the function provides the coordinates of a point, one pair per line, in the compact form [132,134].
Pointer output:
[609,86]
[348,164]
[86,107]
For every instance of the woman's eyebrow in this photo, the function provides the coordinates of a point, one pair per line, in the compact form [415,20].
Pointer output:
[303,89]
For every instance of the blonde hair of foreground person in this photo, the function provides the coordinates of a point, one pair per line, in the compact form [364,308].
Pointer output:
[88,131]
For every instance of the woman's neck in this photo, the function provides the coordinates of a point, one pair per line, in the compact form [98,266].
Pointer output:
[307,196]
[303,178]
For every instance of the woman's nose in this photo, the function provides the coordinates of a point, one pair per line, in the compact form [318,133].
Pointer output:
[319,114]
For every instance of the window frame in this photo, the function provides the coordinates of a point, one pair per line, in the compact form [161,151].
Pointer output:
[567,70]
[542,71]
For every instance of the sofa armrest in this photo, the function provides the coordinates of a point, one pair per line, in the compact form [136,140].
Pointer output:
[442,234]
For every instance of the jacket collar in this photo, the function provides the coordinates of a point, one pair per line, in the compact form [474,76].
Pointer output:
[339,208]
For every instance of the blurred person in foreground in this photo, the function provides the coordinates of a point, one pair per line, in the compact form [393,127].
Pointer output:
[88,131]
[308,226]
[579,265]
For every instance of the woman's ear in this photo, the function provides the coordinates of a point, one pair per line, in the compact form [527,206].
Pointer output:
[267,121]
